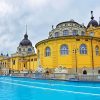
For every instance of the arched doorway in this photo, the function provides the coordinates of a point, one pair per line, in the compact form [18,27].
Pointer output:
[84,72]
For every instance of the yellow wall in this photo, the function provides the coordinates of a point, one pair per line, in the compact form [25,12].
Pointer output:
[22,63]
[95,30]
[68,61]
[4,62]
[32,62]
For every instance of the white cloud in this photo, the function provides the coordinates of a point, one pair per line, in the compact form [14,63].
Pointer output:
[60,4]
[6,44]
[5,8]
[36,4]
[40,15]
[97,13]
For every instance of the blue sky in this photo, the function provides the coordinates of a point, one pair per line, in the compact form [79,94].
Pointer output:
[39,15]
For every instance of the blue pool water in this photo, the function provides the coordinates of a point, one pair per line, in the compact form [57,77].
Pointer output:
[30,89]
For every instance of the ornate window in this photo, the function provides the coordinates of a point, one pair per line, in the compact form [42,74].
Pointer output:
[56,34]
[82,33]
[13,62]
[5,64]
[31,59]
[29,50]
[24,49]
[97,50]
[24,66]
[47,51]
[65,32]
[83,49]
[91,34]
[19,49]
[75,32]
[64,50]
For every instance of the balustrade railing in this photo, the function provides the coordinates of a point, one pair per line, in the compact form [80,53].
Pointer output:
[56,76]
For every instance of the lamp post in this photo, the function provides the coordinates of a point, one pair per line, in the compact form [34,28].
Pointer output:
[75,52]
[76,59]
[92,56]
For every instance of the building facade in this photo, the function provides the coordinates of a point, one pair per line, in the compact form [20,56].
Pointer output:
[70,48]
[24,60]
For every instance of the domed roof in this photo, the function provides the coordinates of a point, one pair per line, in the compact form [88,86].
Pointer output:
[70,21]
[25,41]
[92,22]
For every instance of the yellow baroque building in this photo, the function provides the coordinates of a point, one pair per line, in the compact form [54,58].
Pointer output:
[70,48]
[25,59]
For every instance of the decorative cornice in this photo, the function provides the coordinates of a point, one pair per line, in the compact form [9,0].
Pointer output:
[67,37]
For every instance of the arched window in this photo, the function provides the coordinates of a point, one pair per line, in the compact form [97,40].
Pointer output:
[83,49]
[91,33]
[24,66]
[85,72]
[82,33]
[13,62]
[47,52]
[75,32]
[56,34]
[97,50]
[19,49]
[64,49]
[29,50]
[24,50]
[5,64]
[65,32]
